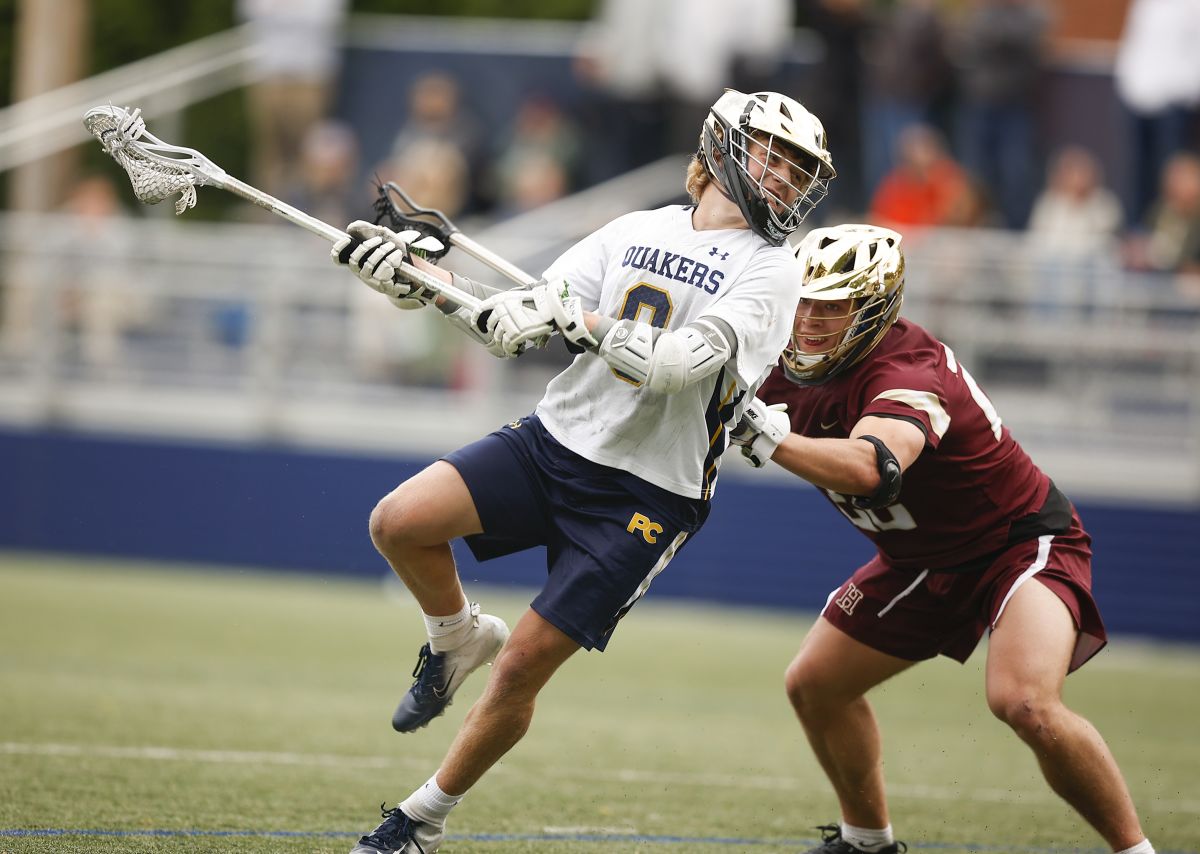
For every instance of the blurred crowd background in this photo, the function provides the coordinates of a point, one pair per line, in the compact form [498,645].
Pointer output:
[1041,157]
[1074,119]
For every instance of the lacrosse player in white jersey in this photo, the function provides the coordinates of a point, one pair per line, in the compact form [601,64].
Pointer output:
[676,314]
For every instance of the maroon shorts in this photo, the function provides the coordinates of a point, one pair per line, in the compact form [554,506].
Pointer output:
[915,614]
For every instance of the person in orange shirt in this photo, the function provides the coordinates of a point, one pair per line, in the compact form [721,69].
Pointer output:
[926,187]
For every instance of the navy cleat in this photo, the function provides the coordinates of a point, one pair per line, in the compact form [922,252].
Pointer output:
[832,843]
[399,834]
[438,674]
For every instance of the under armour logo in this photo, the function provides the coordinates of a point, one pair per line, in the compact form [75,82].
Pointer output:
[716,250]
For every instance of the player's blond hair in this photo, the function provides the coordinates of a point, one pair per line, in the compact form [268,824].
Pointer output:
[697,178]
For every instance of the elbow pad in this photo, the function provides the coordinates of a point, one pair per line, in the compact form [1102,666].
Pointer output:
[890,478]
[668,362]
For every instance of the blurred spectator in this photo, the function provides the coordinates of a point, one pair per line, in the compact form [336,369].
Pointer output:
[99,299]
[434,173]
[438,119]
[833,90]
[540,160]
[328,172]
[1073,235]
[296,62]
[430,161]
[1075,215]
[999,54]
[1170,241]
[909,79]
[530,181]
[1158,78]
[655,67]
[926,187]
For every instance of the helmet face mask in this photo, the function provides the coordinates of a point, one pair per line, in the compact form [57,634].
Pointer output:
[768,155]
[851,296]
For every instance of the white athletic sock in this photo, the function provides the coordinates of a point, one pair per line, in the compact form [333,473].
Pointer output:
[447,632]
[867,839]
[1143,847]
[429,803]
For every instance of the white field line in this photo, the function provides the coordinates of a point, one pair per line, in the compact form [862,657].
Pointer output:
[911,791]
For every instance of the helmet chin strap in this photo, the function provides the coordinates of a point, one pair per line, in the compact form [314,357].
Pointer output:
[809,360]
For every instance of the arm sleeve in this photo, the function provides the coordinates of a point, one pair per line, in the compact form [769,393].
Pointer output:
[477,289]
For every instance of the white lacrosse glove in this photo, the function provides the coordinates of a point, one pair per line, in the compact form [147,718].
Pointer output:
[567,313]
[374,253]
[761,430]
[513,320]
[522,317]
[528,316]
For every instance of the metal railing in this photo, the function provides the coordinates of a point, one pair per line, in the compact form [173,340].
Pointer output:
[245,331]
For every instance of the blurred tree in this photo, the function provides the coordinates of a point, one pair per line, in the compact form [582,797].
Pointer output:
[127,30]
[8,14]
[571,10]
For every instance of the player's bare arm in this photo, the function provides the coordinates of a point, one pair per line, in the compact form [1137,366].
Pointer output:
[850,466]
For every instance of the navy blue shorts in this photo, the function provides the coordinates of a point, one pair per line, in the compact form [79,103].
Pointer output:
[607,533]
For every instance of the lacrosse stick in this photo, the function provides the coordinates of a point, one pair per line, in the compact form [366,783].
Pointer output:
[402,212]
[158,171]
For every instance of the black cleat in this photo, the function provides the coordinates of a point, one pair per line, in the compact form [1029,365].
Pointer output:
[439,674]
[399,834]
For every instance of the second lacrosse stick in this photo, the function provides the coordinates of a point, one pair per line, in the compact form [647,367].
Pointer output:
[158,170]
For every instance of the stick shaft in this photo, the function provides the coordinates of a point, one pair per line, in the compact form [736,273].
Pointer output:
[239,188]
[500,265]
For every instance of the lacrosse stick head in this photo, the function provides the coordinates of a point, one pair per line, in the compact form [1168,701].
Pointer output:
[156,170]
[397,210]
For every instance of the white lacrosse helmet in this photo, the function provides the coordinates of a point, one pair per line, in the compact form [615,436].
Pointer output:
[781,127]
[859,263]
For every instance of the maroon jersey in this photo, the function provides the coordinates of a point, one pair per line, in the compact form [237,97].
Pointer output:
[961,497]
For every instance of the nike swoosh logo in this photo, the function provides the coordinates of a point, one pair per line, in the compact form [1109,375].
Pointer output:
[830,425]
[441,694]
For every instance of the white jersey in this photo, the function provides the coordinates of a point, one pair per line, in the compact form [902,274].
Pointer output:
[653,266]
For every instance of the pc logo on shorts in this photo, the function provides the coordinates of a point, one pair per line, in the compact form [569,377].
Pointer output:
[649,530]
[849,599]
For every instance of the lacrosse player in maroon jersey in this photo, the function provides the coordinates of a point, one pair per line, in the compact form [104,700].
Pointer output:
[971,537]
[676,315]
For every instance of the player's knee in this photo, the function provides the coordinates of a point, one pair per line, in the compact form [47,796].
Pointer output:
[391,525]
[1031,716]
[512,688]
[804,686]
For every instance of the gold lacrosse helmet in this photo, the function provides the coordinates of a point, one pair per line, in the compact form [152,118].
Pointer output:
[863,265]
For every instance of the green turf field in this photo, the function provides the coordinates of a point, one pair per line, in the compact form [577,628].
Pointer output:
[154,709]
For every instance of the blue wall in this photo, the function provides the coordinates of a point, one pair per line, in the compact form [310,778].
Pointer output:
[765,544]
